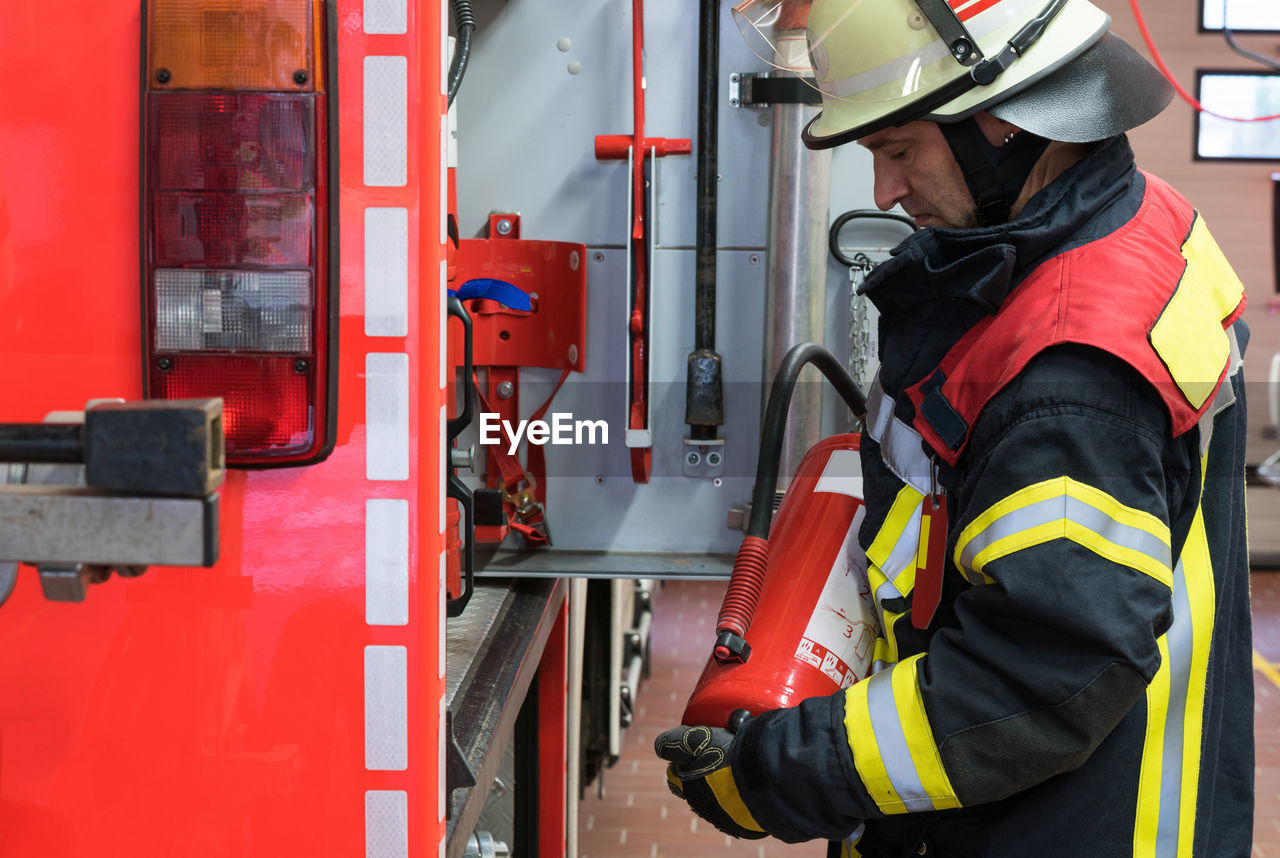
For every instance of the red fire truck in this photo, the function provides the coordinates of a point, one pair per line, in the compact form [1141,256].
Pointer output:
[278,576]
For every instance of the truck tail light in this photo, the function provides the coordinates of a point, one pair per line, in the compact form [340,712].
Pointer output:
[238,293]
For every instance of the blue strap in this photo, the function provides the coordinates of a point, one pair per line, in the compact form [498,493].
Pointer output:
[501,291]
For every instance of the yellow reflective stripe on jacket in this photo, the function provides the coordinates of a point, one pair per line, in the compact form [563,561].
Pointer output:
[895,545]
[892,742]
[1169,779]
[1189,336]
[727,796]
[886,648]
[891,569]
[1063,508]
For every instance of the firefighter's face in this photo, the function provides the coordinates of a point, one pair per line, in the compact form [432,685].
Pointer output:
[914,168]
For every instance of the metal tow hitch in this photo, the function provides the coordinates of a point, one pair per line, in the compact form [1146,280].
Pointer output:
[115,488]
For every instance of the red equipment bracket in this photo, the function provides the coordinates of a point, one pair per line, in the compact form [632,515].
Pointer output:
[554,275]
[551,335]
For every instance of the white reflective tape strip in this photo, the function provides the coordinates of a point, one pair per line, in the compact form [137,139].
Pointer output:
[903,555]
[879,410]
[447,44]
[842,474]
[905,68]
[1063,510]
[448,158]
[387,416]
[903,452]
[1181,642]
[443,597]
[1226,392]
[900,445]
[443,790]
[386,562]
[386,16]
[386,272]
[444,324]
[386,824]
[891,742]
[386,708]
[386,121]
[444,441]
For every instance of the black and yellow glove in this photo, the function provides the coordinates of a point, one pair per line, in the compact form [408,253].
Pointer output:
[701,773]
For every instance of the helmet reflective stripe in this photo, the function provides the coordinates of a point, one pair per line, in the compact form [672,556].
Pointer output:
[966,10]
[907,67]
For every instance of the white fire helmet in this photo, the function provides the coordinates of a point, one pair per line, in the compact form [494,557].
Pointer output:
[1048,66]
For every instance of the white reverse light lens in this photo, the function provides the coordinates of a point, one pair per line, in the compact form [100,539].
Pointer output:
[259,311]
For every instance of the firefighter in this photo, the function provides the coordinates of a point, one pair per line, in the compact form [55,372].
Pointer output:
[1060,373]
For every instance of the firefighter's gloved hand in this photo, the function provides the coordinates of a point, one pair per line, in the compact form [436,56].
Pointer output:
[701,773]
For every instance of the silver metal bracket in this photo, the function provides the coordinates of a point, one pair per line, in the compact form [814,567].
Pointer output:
[703,458]
[735,90]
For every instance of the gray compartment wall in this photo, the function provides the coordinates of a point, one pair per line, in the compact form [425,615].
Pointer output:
[527,115]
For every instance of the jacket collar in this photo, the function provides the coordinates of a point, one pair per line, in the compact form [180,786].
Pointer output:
[982,265]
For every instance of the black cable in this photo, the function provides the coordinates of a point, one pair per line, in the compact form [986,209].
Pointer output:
[1245,52]
[708,154]
[833,235]
[704,395]
[775,422]
[465,22]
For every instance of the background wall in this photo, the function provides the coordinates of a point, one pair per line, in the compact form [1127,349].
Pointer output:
[1234,197]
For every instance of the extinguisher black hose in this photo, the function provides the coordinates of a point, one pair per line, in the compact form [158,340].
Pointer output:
[775,422]
[465,22]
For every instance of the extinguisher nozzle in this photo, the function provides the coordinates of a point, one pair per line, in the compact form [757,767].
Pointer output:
[731,647]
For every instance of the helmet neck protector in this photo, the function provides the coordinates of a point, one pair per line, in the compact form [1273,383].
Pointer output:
[995,174]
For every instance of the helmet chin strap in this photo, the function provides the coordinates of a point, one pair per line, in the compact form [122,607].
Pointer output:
[995,174]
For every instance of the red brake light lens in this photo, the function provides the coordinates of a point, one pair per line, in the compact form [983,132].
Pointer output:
[233,141]
[231,230]
[265,398]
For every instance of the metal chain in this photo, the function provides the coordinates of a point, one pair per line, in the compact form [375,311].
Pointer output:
[863,329]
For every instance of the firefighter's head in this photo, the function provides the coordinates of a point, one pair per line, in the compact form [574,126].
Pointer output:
[996,80]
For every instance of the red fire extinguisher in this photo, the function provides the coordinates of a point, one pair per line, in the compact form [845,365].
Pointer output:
[798,619]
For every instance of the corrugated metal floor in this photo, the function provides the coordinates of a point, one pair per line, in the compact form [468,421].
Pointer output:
[639,818]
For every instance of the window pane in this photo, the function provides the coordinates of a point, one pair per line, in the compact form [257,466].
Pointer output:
[1241,14]
[1241,95]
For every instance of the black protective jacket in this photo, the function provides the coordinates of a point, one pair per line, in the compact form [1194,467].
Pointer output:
[1084,687]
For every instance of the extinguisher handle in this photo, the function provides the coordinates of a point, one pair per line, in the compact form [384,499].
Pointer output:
[775,422]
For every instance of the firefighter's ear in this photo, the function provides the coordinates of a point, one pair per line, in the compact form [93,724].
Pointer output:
[701,773]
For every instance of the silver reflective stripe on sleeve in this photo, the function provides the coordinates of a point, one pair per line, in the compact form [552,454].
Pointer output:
[892,744]
[1066,509]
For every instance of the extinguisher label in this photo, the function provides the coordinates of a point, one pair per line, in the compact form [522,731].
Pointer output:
[841,633]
